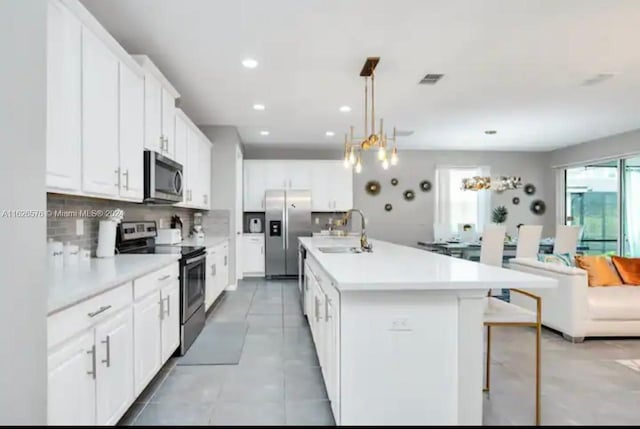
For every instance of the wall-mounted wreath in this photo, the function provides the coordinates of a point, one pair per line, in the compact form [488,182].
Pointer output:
[394,181]
[409,195]
[529,189]
[515,201]
[373,187]
[538,207]
[425,186]
[388,207]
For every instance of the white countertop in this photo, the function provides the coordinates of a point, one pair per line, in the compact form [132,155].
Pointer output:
[395,267]
[207,241]
[71,285]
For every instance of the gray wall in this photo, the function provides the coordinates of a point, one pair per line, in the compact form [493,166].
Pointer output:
[409,222]
[616,146]
[225,140]
[283,152]
[23,329]
[63,228]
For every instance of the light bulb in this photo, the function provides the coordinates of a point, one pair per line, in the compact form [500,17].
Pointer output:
[347,164]
[352,157]
[385,164]
[394,157]
[382,153]
[359,166]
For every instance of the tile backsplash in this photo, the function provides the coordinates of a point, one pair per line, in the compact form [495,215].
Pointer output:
[67,209]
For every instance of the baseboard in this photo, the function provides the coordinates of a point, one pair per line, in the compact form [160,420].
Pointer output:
[232,287]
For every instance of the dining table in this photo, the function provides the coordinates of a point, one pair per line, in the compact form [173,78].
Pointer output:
[471,250]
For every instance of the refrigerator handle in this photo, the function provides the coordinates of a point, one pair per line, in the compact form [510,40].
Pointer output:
[285,227]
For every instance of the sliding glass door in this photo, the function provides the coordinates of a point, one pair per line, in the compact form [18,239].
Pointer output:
[592,202]
[631,207]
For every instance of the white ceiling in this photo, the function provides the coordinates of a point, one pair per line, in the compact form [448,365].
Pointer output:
[516,66]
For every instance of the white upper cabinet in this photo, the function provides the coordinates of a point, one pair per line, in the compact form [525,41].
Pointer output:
[197,168]
[168,122]
[205,173]
[153,114]
[181,137]
[131,134]
[331,185]
[100,161]
[64,103]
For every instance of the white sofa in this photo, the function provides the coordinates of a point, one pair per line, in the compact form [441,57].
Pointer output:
[577,310]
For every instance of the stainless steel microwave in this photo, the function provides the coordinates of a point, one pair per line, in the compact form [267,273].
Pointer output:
[162,179]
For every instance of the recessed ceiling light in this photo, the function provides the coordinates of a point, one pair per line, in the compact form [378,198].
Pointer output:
[258,107]
[250,63]
[329,134]
[345,109]
[264,133]
[491,132]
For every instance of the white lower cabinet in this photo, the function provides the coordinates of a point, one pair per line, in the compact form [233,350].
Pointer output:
[104,351]
[217,273]
[114,367]
[253,254]
[71,386]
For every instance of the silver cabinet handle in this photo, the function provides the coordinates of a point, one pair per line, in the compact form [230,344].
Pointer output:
[100,310]
[213,269]
[327,316]
[164,277]
[107,342]
[117,171]
[126,177]
[225,260]
[92,352]
[168,306]
[161,304]
[262,250]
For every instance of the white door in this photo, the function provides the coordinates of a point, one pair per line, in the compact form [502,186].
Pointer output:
[64,102]
[131,134]
[71,387]
[100,160]
[204,174]
[299,173]
[238,214]
[170,319]
[193,169]
[153,114]
[147,340]
[114,358]
[168,122]
[211,285]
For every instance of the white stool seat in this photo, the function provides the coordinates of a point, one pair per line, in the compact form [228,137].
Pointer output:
[499,311]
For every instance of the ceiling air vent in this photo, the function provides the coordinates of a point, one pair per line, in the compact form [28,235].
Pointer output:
[599,78]
[431,79]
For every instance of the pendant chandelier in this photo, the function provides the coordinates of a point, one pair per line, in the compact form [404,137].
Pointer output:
[372,138]
[498,184]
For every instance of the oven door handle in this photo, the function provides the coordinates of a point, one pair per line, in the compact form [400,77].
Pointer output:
[196,259]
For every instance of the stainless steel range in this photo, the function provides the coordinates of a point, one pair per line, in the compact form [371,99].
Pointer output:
[139,237]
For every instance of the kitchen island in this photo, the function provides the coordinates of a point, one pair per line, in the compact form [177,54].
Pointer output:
[399,331]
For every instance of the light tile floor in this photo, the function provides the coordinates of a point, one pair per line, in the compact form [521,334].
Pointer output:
[278,381]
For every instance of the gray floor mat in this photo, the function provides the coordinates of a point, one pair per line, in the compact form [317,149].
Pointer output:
[219,343]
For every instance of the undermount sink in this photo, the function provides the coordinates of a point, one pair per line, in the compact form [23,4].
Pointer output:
[340,249]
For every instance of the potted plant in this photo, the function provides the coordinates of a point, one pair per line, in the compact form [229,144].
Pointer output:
[499,215]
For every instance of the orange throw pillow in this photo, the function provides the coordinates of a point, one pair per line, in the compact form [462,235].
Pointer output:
[629,269]
[599,271]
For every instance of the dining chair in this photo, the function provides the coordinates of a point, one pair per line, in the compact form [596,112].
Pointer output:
[528,241]
[502,313]
[566,239]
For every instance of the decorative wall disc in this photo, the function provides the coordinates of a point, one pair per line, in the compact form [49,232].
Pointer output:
[373,187]
[515,201]
[388,207]
[394,181]
[409,195]
[538,207]
[425,185]
[529,189]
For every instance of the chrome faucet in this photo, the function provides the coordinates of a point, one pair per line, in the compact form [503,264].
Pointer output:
[365,246]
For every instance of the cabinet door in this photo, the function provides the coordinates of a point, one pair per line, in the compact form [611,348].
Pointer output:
[253,186]
[114,356]
[204,175]
[153,114]
[277,174]
[341,185]
[223,272]
[253,258]
[168,122]
[64,102]
[321,186]
[71,387]
[131,134]
[180,140]
[211,284]
[299,174]
[100,160]
[193,169]
[147,340]
[170,319]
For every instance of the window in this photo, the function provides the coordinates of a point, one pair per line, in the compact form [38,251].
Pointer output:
[455,206]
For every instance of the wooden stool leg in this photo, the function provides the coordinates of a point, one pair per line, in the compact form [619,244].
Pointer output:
[488,365]
[538,335]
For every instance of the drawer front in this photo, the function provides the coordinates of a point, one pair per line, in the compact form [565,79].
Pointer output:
[67,323]
[153,281]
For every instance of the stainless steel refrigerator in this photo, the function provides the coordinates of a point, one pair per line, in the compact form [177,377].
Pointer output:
[287,217]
